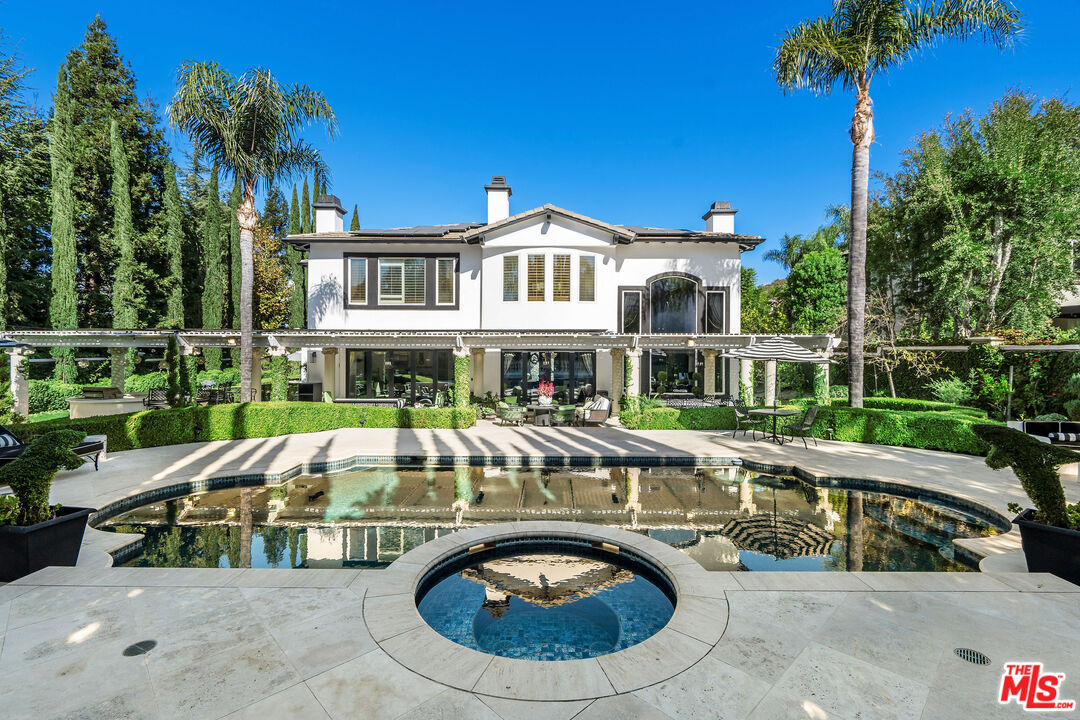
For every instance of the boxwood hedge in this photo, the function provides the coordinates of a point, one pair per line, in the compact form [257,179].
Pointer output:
[154,428]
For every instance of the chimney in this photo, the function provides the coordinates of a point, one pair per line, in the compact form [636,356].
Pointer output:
[720,218]
[498,197]
[329,215]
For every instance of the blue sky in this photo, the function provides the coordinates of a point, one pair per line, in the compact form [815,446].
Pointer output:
[634,113]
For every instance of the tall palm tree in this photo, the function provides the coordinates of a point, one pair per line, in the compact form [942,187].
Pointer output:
[788,254]
[249,126]
[860,39]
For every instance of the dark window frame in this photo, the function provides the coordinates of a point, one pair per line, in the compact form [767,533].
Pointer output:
[430,281]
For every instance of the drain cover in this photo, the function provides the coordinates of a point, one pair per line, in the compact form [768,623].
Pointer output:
[972,656]
[140,648]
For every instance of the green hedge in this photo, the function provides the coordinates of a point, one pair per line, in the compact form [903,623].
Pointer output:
[913,405]
[154,428]
[950,432]
[50,395]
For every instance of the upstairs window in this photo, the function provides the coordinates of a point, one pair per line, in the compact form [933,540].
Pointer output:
[714,312]
[631,311]
[537,271]
[358,281]
[586,279]
[510,278]
[445,279]
[401,281]
[560,280]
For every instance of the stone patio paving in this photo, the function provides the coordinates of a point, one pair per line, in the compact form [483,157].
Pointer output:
[294,644]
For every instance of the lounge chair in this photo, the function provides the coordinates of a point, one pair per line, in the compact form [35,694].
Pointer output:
[745,421]
[804,428]
[12,447]
[563,415]
[156,399]
[596,411]
[512,414]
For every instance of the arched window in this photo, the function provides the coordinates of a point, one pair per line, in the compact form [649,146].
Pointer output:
[673,304]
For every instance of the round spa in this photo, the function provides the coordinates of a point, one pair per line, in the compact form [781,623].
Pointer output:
[546,599]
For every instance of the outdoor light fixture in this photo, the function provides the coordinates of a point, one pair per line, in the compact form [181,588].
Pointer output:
[231,341]
[691,342]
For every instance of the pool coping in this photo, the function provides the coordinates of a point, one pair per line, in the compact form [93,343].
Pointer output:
[696,626]
[121,551]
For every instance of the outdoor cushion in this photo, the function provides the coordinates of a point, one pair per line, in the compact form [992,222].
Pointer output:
[1060,437]
[7,440]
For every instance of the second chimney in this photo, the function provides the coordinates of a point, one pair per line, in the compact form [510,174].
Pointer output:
[498,199]
[329,215]
[720,218]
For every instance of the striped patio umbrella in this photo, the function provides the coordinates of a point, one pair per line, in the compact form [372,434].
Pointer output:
[769,534]
[779,349]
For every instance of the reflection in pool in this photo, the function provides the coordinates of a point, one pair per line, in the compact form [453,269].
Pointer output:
[550,605]
[726,518]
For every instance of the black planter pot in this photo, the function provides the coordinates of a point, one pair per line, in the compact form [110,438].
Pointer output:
[24,550]
[1048,548]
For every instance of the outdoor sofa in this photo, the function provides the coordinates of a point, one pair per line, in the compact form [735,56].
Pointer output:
[596,411]
[12,447]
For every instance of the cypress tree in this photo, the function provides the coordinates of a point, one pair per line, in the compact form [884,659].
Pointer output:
[298,295]
[3,263]
[305,211]
[214,280]
[123,286]
[63,310]
[234,267]
[355,224]
[174,246]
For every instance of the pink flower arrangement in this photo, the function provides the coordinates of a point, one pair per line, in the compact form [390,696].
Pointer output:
[547,388]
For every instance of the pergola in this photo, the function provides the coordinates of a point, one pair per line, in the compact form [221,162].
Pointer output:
[465,343]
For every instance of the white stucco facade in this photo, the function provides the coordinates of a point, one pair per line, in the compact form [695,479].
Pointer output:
[573,273]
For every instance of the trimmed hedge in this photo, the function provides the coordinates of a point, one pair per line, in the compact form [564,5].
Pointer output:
[913,405]
[50,395]
[949,432]
[155,428]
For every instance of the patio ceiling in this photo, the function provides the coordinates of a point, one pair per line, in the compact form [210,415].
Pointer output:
[418,339]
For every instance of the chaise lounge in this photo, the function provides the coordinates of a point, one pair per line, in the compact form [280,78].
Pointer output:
[595,412]
[11,447]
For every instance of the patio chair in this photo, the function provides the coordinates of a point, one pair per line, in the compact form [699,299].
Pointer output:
[595,412]
[563,415]
[804,428]
[12,447]
[156,399]
[512,414]
[745,421]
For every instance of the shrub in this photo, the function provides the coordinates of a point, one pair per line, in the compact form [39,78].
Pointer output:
[30,475]
[952,390]
[665,418]
[911,405]
[1035,464]
[50,395]
[838,391]
[154,428]
[1052,417]
[146,382]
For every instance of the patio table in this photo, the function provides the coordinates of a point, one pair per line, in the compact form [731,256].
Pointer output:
[774,413]
[542,413]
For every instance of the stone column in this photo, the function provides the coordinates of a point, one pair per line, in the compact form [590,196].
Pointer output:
[746,496]
[117,367]
[746,380]
[710,372]
[770,382]
[477,383]
[256,375]
[20,380]
[329,373]
[461,352]
[618,377]
[634,388]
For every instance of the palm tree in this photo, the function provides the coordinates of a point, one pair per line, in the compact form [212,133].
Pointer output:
[849,47]
[788,254]
[248,125]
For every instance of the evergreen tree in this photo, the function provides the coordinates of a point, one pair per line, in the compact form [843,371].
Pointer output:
[63,311]
[305,211]
[103,90]
[275,214]
[24,203]
[124,308]
[355,224]
[298,288]
[174,244]
[214,278]
[234,268]
[193,197]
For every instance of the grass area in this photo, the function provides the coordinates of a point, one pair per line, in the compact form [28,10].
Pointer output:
[46,416]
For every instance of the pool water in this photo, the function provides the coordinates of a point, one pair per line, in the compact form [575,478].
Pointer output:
[726,518]
[547,605]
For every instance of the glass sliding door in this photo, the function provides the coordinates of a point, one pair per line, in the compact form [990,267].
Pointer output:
[356,379]
[572,373]
[420,377]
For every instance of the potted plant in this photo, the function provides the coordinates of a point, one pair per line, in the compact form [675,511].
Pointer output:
[546,391]
[1050,532]
[33,533]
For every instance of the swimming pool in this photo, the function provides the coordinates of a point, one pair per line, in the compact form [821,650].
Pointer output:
[725,517]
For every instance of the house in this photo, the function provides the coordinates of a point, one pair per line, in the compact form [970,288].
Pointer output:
[545,294]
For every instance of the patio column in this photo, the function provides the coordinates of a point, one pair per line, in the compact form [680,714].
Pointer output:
[618,375]
[117,367]
[634,383]
[329,373]
[461,352]
[770,382]
[477,383]
[746,381]
[20,380]
[256,375]
[710,371]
